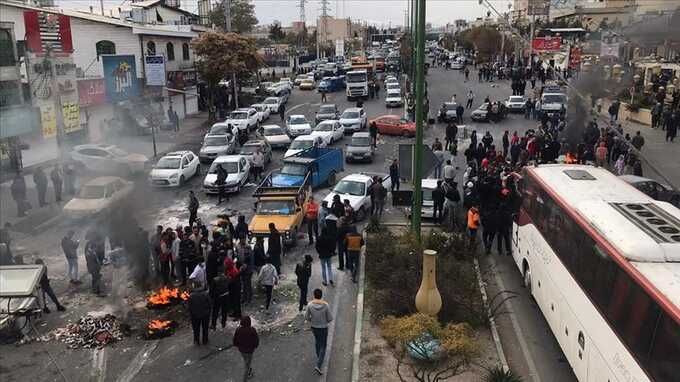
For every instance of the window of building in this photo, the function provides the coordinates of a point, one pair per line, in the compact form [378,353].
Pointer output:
[185,52]
[6,49]
[150,48]
[105,47]
[171,51]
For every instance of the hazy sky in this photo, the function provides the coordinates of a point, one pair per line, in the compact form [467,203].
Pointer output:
[439,12]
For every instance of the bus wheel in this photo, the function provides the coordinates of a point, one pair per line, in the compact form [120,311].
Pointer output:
[527,277]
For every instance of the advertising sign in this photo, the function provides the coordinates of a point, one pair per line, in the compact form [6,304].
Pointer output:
[154,69]
[575,58]
[71,114]
[48,121]
[120,77]
[609,50]
[538,7]
[547,44]
[91,92]
[339,47]
[48,31]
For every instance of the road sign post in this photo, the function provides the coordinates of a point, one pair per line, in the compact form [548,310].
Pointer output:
[420,118]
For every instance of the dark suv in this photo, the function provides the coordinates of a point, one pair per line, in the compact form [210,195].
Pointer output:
[653,189]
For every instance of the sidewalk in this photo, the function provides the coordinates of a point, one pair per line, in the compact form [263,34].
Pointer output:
[190,128]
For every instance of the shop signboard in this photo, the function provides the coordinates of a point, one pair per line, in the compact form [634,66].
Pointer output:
[538,7]
[154,70]
[547,44]
[120,77]
[575,58]
[48,121]
[91,92]
[609,50]
[71,114]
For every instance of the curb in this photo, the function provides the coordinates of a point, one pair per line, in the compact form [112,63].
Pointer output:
[359,321]
[492,320]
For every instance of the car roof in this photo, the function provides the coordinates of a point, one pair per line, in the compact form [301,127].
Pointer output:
[357,109]
[361,134]
[270,126]
[328,105]
[357,178]
[306,137]
[297,115]
[103,180]
[328,121]
[177,153]
[228,158]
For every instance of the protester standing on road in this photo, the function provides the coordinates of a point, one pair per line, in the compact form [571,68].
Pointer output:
[473,224]
[470,99]
[303,271]
[234,286]
[258,163]
[449,172]
[57,182]
[275,247]
[312,216]
[199,310]
[638,141]
[353,243]
[268,277]
[94,265]
[379,195]
[247,268]
[220,182]
[40,181]
[394,175]
[282,111]
[450,134]
[246,341]
[373,132]
[438,202]
[47,290]
[325,247]
[438,151]
[193,207]
[219,294]
[70,248]
[323,96]
[320,316]
[18,189]
[506,143]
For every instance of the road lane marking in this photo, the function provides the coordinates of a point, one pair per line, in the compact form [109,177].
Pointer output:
[138,362]
[340,278]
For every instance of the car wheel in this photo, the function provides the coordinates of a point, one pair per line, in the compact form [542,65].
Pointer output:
[181,180]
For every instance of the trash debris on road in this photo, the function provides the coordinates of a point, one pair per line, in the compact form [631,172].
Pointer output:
[156,329]
[89,332]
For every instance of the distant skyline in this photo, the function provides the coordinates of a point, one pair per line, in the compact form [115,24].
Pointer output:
[377,12]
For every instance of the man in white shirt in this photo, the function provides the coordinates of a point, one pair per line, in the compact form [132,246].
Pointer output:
[449,172]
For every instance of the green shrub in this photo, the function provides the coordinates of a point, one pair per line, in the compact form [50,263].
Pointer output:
[498,374]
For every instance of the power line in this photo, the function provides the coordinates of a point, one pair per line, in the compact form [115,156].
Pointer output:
[303,16]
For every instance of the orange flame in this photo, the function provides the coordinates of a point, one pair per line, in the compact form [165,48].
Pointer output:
[159,324]
[165,295]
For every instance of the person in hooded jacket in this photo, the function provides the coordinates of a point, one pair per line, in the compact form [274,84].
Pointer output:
[241,228]
[234,287]
[319,315]
[325,247]
[246,341]
[303,271]
[220,299]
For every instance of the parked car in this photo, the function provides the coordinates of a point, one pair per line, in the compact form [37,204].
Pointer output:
[108,159]
[654,189]
[515,104]
[393,98]
[216,145]
[174,169]
[222,128]
[327,111]
[245,119]
[303,142]
[275,136]
[273,104]
[249,148]
[299,79]
[355,188]
[237,168]
[330,131]
[392,86]
[458,65]
[481,114]
[447,112]
[395,125]
[297,124]
[307,84]
[353,119]
[98,196]
[360,148]
[263,111]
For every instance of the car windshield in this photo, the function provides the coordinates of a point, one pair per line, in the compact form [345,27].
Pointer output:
[118,152]
[324,127]
[92,192]
[516,99]
[215,141]
[271,101]
[360,141]
[248,149]
[427,194]
[269,131]
[293,169]
[327,110]
[449,106]
[168,163]
[554,98]
[276,207]
[220,130]
[350,115]
[230,167]
[297,120]
[238,115]
[394,94]
[300,144]
[350,187]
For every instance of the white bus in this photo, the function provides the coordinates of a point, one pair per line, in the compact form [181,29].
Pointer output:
[602,260]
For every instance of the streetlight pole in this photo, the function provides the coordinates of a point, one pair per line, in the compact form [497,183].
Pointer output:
[412,37]
[227,28]
[420,117]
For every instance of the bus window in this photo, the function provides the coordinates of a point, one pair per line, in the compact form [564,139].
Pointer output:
[664,356]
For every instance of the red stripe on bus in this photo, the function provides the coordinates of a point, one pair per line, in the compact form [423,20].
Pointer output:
[661,299]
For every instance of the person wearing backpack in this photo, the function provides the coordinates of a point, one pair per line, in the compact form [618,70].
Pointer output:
[303,271]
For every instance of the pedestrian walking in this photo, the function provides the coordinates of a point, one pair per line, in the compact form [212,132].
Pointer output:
[246,341]
[57,182]
[325,247]
[18,191]
[319,315]
[353,243]
[473,224]
[671,125]
[450,134]
[94,265]
[268,278]
[70,248]
[193,207]
[275,247]
[199,310]
[282,111]
[303,271]
[373,132]
[47,290]
[638,141]
[257,163]
[40,181]
[311,217]
[394,175]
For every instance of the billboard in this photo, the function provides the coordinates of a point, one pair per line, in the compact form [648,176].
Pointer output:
[120,77]
[575,58]
[45,31]
[538,7]
[154,70]
[547,44]
[609,50]
[91,92]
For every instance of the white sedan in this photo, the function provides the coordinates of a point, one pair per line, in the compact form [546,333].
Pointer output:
[237,168]
[330,131]
[297,124]
[98,196]
[174,169]
[263,111]
[355,188]
[108,159]
[302,143]
[275,136]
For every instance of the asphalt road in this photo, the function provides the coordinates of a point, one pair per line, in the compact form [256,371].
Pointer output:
[286,353]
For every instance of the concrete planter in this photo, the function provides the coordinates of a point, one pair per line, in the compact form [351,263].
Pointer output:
[643,116]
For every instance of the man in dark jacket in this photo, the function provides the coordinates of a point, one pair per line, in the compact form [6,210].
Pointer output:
[373,132]
[394,175]
[220,182]
[57,182]
[246,341]
[325,247]
[303,271]
[94,264]
[438,202]
[18,189]
[451,132]
[275,247]
[40,181]
[193,208]
[199,310]
[70,248]
[47,290]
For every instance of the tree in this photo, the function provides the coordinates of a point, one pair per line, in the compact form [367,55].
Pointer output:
[276,34]
[243,18]
[222,54]
[432,352]
[487,42]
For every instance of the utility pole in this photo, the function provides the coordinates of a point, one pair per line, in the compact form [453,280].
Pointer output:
[420,118]
[58,108]
[227,28]
[325,7]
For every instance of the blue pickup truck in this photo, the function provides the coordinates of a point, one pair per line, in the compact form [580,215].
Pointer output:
[331,84]
[322,163]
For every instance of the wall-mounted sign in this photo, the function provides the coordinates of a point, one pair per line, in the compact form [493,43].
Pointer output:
[547,44]
[120,76]
[48,121]
[91,92]
[71,114]
[48,31]
[154,70]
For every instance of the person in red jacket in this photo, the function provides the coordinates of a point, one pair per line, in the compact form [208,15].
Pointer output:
[246,340]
